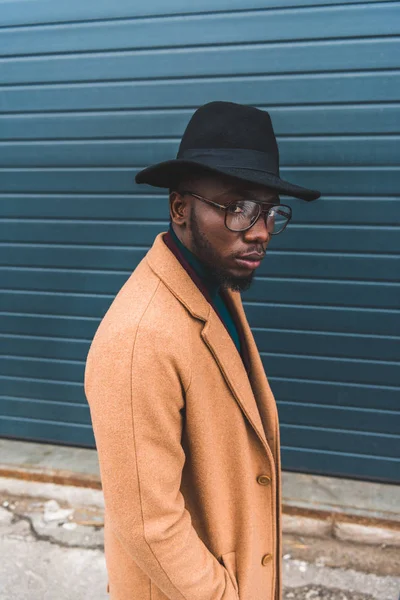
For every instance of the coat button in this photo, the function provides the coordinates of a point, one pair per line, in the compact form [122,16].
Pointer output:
[266,559]
[264,479]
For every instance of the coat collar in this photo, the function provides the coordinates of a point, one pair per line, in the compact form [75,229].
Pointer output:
[165,265]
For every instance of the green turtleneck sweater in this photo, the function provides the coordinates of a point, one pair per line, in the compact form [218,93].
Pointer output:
[212,286]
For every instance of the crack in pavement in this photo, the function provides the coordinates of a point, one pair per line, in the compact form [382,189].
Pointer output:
[18,517]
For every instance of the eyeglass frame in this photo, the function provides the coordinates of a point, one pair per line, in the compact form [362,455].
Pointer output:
[225,207]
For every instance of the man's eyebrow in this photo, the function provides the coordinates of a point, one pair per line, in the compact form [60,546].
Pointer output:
[268,200]
[248,194]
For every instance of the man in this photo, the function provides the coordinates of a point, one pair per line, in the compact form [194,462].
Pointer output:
[184,419]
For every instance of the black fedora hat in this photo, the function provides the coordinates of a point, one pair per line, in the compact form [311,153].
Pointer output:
[228,138]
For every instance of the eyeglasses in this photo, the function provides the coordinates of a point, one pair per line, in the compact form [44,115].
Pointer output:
[242,214]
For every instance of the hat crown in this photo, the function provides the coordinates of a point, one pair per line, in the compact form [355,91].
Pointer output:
[230,126]
[228,139]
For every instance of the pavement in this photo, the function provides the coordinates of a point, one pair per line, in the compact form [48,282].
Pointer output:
[341,537]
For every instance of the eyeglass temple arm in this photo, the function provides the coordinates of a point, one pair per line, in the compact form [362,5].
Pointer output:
[221,206]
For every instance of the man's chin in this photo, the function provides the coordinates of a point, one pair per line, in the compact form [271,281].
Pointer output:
[237,284]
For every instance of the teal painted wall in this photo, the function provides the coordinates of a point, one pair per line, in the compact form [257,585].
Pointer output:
[92,92]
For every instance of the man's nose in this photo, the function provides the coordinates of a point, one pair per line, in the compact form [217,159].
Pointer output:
[258,233]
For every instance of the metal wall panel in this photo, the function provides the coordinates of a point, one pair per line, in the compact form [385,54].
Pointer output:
[92,92]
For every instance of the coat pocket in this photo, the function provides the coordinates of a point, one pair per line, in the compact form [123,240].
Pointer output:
[229,562]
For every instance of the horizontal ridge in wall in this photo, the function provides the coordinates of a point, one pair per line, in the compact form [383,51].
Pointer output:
[74,12]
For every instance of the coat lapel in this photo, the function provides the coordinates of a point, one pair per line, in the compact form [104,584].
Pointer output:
[231,365]
[258,380]
[167,267]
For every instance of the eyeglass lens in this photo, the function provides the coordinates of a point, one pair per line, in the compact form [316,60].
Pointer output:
[243,214]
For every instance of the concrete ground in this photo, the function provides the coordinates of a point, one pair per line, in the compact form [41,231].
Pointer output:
[341,537]
[51,544]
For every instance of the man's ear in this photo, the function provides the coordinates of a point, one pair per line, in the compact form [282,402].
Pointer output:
[178,208]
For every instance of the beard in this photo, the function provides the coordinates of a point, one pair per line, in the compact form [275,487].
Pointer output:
[206,253]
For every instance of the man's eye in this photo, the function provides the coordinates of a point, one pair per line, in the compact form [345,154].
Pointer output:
[235,209]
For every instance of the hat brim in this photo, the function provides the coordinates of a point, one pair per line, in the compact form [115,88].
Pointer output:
[167,174]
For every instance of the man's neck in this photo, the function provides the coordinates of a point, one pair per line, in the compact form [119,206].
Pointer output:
[199,267]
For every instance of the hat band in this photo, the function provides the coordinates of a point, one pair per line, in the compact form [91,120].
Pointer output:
[238,158]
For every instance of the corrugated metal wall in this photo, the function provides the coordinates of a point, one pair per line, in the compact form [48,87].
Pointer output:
[92,91]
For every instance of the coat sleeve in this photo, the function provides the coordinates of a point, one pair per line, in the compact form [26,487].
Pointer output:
[136,392]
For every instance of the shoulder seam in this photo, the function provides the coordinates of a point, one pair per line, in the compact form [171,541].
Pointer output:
[190,353]
[134,444]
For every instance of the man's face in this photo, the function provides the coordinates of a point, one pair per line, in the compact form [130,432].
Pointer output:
[202,230]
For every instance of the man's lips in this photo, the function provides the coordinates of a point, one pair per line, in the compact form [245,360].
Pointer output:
[251,261]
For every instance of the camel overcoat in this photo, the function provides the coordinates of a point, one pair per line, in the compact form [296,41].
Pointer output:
[188,445]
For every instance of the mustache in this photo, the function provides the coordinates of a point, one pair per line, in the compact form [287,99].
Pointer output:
[259,251]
